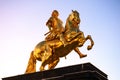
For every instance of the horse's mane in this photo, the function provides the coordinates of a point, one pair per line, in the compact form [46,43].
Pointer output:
[67,23]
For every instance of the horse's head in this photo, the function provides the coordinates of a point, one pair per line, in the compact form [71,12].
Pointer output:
[74,17]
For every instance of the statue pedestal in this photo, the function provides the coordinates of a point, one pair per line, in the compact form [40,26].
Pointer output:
[85,71]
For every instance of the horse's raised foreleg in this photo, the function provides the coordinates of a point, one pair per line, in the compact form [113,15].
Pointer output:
[79,53]
[92,42]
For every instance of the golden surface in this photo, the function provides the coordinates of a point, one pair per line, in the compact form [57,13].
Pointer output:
[59,42]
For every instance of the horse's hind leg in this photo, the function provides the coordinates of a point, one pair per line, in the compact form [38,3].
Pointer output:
[42,67]
[92,42]
[44,63]
[53,64]
[46,58]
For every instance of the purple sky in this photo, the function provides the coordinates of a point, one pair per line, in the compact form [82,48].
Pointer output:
[22,26]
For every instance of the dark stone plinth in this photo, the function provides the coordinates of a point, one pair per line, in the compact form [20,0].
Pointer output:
[85,71]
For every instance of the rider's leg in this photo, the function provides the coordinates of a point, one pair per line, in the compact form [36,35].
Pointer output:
[63,40]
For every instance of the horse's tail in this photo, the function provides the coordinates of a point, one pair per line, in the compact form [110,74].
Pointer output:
[31,67]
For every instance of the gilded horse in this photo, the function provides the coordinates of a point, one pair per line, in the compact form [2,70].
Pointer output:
[50,52]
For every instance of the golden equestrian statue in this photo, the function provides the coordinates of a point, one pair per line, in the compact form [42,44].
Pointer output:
[53,48]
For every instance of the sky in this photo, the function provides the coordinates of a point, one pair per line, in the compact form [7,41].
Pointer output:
[22,26]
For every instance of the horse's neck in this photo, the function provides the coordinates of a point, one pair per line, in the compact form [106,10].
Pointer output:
[71,27]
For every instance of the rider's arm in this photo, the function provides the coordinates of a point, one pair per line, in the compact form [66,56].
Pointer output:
[49,24]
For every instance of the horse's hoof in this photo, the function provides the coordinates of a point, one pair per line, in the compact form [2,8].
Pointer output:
[89,47]
[83,55]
